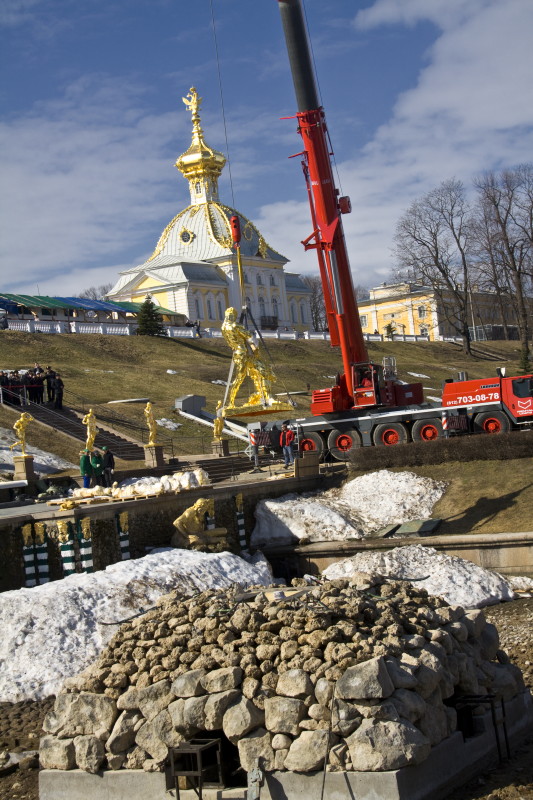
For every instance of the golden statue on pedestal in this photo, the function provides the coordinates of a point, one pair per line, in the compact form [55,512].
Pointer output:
[191,532]
[151,423]
[20,429]
[90,420]
[218,424]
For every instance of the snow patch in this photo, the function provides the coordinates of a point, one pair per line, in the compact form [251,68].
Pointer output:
[54,631]
[459,582]
[361,507]
[169,424]
[418,375]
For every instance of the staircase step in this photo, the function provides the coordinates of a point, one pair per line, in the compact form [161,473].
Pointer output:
[68,423]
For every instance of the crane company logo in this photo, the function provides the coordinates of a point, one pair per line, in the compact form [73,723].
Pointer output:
[523,404]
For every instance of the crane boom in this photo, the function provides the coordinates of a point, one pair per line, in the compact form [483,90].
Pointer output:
[326,205]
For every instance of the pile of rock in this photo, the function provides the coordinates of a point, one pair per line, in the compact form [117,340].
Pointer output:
[355,671]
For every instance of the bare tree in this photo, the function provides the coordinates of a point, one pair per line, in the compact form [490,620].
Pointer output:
[506,203]
[318,308]
[96,292]
[433,246]
[362,292]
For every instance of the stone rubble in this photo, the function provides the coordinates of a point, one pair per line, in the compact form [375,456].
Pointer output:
[356,671]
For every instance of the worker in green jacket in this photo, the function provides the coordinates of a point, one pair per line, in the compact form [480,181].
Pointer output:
[97,466]
[86,470]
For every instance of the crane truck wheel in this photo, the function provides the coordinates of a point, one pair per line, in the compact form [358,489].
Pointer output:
[491,422]
[341,445]
[426,430]
[311,443]
[390,434]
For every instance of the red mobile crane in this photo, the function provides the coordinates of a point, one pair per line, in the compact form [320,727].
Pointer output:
[368,405]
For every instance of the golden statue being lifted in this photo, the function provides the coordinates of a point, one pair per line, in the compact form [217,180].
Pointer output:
[151,423]
[246,363]
[20,429]
[90,420]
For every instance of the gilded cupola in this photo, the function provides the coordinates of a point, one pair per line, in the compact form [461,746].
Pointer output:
[200,164]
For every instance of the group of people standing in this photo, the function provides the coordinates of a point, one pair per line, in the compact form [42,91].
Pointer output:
[18,388]
[97,467]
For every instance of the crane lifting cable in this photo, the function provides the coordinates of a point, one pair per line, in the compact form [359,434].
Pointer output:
[247,361]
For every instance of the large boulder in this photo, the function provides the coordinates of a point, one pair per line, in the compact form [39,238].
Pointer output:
[57,753]
[307,752]
[365,681]
[189,684]
[379,745]
[81,715]
[123,733]
[216,706]
[294,683]
[89,752]
[241,718]
[282,714]
[222,680]
[256,747]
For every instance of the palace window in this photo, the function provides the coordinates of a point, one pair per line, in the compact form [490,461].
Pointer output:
[303,315]
[272,280]
[421,312]
[275,307]
[364,320]
[262,306]
[293,313]
[259,280]
[220,309]
[210,310]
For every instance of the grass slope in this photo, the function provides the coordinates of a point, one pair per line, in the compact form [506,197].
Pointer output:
[481,496]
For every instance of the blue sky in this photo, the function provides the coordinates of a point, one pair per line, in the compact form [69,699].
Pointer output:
[415,92]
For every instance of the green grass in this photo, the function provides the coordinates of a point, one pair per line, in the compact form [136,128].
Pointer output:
[481,496]
[486,496]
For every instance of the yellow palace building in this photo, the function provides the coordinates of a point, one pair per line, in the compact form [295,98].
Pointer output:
[413,310]
[193,269]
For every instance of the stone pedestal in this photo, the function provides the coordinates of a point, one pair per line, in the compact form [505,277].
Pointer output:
[153,455]
[220,447]
[24,470]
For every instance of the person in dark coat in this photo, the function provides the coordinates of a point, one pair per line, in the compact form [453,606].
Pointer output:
[58,391]
[97,466]
[109,466]
[39,387]
[85,468]
[49,376]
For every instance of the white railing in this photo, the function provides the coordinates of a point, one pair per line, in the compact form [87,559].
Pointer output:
[175,332]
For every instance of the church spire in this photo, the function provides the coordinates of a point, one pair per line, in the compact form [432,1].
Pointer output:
[200,164]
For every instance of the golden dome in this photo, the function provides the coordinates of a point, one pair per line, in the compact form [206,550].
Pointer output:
[200,164]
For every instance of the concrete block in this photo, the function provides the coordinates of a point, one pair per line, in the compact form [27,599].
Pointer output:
[124,784]
[422,527]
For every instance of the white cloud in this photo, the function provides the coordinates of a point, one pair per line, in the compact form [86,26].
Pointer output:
[88,177]
[468,112]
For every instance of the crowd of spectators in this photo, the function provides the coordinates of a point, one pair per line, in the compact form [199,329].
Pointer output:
[21,387]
